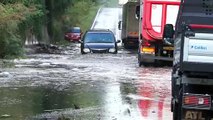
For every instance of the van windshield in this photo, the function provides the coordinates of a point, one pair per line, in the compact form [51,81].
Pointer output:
[99,38]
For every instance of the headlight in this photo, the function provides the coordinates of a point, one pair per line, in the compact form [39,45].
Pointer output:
[86,50]
[112,50]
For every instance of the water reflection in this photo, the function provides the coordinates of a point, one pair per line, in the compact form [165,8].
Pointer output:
[118,106]
[154,92]
[92,100]
[22,103]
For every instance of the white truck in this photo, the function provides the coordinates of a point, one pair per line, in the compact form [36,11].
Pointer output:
[129,25]
[192,74]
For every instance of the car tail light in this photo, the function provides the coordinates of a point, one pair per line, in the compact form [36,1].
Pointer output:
[197,101]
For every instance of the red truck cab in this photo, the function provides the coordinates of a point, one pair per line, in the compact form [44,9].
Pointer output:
[155,14]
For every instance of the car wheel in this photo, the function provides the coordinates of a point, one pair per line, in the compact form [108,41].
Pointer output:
[82,52]
[115,52]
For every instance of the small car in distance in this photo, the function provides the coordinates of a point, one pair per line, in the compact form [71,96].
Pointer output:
[99,41]
[73,35]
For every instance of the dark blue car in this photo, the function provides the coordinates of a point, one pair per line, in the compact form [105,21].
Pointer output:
[99,41]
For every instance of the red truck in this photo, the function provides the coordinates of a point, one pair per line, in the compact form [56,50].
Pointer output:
[154,16]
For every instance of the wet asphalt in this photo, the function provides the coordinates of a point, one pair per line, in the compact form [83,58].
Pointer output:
[72,86]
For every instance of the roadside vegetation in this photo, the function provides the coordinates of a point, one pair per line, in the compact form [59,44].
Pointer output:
[44,21]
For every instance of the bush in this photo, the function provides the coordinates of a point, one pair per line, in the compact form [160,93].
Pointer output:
[12,14]
[11,47]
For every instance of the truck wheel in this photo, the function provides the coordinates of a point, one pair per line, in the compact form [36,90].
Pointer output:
[173,90]
[126,46]
[157,63]
[175,110]
[173,85]
[140,64]
[177,107]
[143,64]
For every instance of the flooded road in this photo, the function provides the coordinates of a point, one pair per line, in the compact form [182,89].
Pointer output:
[71,86]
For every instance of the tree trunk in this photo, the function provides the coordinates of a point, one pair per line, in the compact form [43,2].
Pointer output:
[49,8]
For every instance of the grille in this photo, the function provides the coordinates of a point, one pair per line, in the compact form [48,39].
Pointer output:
[208,7]
[99,51]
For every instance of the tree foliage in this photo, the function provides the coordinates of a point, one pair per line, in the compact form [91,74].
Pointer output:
[20,19]
[11,15]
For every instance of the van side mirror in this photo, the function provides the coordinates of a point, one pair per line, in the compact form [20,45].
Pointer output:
[80,41]
[168,34]
[118,41]
[119,25]
[137,12]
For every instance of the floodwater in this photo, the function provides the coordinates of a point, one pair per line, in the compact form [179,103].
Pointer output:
[71,86]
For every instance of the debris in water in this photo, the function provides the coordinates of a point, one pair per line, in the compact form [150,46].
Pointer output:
[5,116]
[76,106]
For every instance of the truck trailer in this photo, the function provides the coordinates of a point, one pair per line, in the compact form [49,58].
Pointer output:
[192,71]
[154,15]
[129,25]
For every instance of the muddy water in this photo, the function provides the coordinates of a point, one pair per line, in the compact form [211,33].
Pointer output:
[25,102]
[84,87]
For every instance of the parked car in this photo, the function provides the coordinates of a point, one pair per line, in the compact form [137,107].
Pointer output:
[99,41]
[73,35]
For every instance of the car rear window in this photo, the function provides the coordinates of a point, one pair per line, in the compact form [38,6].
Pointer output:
[75,30]
[99,38]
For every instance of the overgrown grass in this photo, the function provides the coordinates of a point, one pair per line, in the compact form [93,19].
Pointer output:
[6,64]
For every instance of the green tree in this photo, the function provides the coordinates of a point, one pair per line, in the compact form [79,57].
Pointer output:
[47,20]
[11,15]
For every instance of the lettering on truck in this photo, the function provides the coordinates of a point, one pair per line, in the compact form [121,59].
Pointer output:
[193,115]
[198,47]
